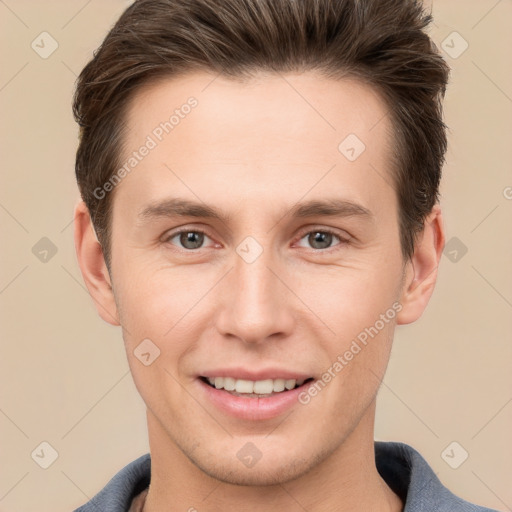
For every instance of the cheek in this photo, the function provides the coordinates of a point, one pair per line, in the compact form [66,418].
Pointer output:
[155,303]
[360,309]
[349,385]
[156,319]
[348,300]
[165,306]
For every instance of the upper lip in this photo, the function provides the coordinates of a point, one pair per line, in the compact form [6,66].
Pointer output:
[255,375]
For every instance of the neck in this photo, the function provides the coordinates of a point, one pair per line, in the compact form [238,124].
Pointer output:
[346,480]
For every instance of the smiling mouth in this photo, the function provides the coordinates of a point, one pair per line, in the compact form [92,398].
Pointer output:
[254,389]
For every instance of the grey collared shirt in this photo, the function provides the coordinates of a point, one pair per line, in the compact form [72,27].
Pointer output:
[401,466]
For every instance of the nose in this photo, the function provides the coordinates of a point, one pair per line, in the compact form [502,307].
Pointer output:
[255,304]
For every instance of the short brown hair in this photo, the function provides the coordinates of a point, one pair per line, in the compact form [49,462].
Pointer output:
[380,42]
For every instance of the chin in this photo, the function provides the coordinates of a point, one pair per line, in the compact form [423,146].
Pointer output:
[256,476]
[281,468]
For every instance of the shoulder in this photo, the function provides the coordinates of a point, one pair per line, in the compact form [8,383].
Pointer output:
[119,492]
[410,476]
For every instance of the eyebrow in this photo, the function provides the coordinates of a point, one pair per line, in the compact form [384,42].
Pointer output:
[175,207]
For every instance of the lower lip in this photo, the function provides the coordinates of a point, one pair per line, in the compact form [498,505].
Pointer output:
[252,408]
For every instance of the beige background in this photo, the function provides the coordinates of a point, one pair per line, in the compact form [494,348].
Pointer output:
[64,377]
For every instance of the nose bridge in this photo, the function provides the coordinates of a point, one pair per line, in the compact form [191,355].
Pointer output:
[254,308]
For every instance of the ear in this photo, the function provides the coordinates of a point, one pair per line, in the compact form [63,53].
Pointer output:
[92,265]
[421,270]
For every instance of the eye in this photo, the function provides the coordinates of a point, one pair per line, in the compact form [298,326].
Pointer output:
[322,239]
[189,239]
[192,239]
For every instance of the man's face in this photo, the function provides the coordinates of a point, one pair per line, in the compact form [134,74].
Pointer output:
[264,293]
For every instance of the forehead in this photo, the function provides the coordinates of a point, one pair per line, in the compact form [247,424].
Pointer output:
[271,135]
[291,103]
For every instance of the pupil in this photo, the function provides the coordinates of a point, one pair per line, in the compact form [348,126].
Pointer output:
[324,239]
[191,240]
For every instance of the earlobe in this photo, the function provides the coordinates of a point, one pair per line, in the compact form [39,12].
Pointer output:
[421,270]
[92,265]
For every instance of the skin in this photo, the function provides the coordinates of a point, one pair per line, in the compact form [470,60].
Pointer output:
[254,150]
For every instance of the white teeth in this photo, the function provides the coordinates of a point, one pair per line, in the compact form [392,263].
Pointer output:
[259,387]
[243,386]
[263,387]
[229,383]
[289,384]
[278,385]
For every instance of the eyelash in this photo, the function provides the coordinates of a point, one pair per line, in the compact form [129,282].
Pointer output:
[342,241]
